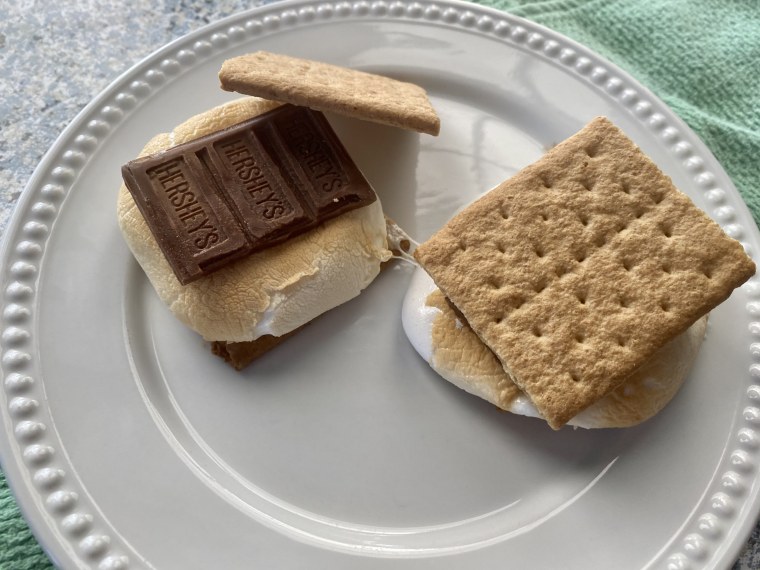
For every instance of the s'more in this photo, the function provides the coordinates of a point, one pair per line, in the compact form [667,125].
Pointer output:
[578,289]
[251,219]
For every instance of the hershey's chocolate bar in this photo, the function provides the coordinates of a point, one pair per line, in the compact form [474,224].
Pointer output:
[218,198]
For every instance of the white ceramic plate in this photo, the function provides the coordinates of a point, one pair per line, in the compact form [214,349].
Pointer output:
[129,446]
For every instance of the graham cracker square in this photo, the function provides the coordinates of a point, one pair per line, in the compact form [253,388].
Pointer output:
[578,268]
[327,87]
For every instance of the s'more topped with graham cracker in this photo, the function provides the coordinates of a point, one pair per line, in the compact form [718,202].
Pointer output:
[251,219]
[578,269]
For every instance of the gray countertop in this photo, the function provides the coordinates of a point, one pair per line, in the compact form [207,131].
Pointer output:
[57,56]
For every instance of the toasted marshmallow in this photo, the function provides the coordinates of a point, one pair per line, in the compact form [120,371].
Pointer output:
[271,292]
[455,352]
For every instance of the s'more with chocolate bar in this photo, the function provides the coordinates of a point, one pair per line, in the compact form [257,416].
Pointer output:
[576,291]
[251,219]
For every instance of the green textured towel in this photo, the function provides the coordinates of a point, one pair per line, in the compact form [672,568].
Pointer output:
[702,57]
[18,549]
[699,56]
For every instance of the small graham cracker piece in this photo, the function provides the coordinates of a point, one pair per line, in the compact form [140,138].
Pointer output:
[326,87]
[578,268]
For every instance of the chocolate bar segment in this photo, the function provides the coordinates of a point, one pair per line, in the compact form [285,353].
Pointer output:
[253,185]
[326,177]
[218,198]
[194,228]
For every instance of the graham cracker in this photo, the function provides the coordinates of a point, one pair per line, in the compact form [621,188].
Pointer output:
[326,87]
[577,269]
[241,354]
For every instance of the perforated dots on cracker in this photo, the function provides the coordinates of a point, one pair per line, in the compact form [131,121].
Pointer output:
[577,269]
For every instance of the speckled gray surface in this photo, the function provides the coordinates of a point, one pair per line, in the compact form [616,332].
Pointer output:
[54,58]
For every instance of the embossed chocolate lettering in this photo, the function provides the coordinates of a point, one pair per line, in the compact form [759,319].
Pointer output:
[317,157]
[256,184]
[176,187]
